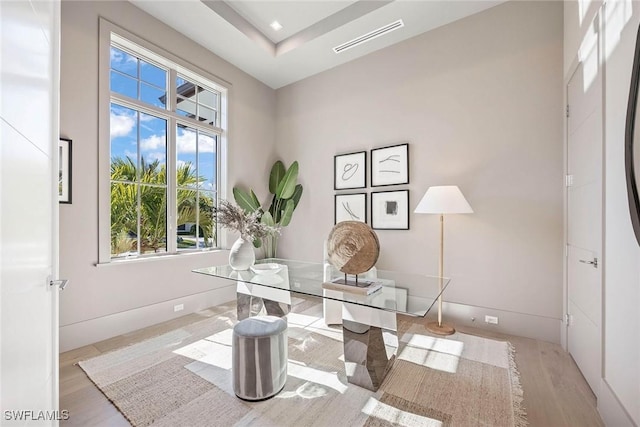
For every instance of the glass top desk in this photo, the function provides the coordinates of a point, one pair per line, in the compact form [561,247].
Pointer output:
[369,322]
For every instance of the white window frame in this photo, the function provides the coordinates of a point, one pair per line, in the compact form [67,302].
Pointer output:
[112,34]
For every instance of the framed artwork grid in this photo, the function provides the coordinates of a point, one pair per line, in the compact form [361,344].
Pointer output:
[350,171]
[350,207]
[390,165]
[390,210]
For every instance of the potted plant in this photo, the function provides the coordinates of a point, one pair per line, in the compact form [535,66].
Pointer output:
[249,226]
[286,194]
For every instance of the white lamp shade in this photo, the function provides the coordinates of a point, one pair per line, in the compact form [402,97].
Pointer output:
[444,199]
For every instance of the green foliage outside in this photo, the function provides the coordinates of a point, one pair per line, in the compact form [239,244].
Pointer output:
[153,206]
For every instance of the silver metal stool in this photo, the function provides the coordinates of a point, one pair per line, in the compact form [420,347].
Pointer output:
[259,349]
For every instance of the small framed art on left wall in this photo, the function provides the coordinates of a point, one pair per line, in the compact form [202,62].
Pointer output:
[64,170]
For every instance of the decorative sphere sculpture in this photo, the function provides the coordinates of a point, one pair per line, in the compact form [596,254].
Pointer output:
[353,247]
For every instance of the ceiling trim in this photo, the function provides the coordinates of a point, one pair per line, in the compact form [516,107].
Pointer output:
[320,28]
[234,18]
[330,23]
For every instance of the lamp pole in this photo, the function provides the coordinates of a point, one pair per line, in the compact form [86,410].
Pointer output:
[441,200]
[441,270]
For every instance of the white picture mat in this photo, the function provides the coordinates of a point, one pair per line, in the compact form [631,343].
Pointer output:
[390,165]
[350,171]
[351,207]
[399,219]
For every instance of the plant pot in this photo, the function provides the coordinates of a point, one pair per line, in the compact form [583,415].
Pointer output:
[242,256]
[270,244]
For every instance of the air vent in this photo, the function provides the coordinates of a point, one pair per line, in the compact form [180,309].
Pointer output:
[369,36]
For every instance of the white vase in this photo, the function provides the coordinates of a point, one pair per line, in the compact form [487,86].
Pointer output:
[242,256]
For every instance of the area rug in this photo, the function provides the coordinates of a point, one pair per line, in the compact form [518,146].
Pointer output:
[183,378]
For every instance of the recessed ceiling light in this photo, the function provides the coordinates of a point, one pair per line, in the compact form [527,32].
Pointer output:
[276,25]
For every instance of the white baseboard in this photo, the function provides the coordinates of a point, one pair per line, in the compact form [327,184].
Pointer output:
[509,322]
[95,330]
[611,410]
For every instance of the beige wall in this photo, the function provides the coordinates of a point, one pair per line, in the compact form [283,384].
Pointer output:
[480,102]
[98,293]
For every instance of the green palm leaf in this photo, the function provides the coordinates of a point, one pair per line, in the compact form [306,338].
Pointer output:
[287,213]
[288,184]
[277,173]
[245,200]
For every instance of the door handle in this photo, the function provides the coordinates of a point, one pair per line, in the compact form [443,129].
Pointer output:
[61,282]
[594,262]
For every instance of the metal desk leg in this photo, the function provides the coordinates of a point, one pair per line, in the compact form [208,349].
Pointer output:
[368,356]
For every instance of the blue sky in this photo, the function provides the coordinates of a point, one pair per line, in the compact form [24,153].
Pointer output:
[126,124]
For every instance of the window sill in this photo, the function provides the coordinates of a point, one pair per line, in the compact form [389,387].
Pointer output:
[143,259]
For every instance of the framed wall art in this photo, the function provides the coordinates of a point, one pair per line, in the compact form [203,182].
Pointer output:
[64,170]
[350,171]
[390,165]
[390,210]
[350,207]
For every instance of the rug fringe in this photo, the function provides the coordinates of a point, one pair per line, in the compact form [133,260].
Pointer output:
[517,394]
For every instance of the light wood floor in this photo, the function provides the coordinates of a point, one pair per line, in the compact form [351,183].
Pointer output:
[555,393]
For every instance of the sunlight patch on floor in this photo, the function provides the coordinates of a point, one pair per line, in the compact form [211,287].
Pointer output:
[328,379]
[387,413]
[300,319]
[208,352]
[435,353]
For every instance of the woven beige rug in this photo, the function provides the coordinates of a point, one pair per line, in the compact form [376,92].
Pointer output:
[183,378]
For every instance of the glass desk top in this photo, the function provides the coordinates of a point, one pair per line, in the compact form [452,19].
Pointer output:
[405,293]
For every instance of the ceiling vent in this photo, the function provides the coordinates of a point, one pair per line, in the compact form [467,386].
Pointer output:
[369,36]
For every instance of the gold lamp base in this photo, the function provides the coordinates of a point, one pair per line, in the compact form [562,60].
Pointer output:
[442,329]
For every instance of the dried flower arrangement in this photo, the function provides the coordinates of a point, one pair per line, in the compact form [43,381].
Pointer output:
[248,225]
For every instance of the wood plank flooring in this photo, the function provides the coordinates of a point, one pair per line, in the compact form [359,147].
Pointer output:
[555,393]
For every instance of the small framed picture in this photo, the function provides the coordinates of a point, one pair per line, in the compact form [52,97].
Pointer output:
[390,210]
[390,165]
[64,170]
[350,171]
[351,207]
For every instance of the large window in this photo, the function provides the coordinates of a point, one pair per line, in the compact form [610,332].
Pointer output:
[165,132]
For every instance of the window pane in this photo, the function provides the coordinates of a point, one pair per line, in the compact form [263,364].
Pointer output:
[207,98]
[153,219]
[154,75]
[207,161]
[186,142]
[186,203]
[152,95]
[185,89]
[207,115]
[206,203]
[123,128]
[124,85]
[139,146]
[123,62]
[124,219]
[153,149]
[186,108]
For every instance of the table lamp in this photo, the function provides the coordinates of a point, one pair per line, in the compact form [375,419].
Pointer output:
[442,200]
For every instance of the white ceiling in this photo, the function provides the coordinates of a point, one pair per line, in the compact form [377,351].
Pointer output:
[294,16]
[239,30]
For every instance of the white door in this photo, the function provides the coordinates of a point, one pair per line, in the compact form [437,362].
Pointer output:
[29,41]
[584,219]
